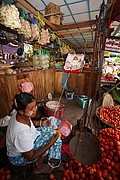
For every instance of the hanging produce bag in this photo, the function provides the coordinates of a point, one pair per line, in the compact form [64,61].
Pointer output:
[74,63]
[26,86]
[65,128]
[34,29]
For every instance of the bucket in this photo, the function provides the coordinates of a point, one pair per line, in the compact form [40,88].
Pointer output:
[69,94]
[57,111]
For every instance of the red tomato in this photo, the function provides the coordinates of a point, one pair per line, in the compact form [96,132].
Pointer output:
[112,164]
[80,170]
[1,170]
[83,176]
[65,173]
[78,164]
[109,168]
[115,159]
[72,176]
[66,165]
[2,177]
[77,177]
[64,178]
[118,148]
[7,171]
[104,173]
[8,176]
[71,162]
[118,154]
[107,161]
[51,176]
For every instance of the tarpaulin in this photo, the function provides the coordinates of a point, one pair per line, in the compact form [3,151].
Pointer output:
[9,48]
[116,12]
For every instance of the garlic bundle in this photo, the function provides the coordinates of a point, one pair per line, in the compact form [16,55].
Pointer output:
[44,61]
[25,28]
[44,37]
[9,16]
[35,31]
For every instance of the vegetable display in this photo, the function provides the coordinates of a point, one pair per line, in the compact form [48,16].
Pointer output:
[107,168]
[110,115]
[5,174]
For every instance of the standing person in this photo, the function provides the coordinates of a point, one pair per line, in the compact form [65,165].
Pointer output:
[109,69]
[22,138]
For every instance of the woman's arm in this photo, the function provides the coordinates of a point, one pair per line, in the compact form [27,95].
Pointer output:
[36,123]
[34,154]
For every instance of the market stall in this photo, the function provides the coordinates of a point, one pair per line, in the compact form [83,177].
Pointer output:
[38,57]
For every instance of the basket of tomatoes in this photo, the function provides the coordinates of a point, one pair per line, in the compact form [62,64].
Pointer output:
[109,115]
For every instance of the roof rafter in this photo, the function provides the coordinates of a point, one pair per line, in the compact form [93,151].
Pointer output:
[75,31]
[76,25]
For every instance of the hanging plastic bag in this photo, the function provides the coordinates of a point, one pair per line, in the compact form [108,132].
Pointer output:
[35,29]
[65,127]
[74,63]
[26,86]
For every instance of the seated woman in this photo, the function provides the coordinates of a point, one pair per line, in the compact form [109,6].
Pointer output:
[24,142]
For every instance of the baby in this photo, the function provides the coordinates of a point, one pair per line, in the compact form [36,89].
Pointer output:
[47,130]
[45,122]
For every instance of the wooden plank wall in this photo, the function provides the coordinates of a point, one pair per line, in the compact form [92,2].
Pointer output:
[58,82]
[76,83]
[45,81]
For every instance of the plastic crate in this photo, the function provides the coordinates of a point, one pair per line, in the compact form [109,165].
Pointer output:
[82,101]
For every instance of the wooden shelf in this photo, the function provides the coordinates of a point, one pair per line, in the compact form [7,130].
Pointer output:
[7,29]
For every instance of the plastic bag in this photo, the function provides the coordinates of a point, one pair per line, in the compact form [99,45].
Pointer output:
[26,86]
[74,63]
[65,127]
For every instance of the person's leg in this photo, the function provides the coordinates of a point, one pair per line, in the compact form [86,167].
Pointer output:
[55,150]
[19,160]
[40,166]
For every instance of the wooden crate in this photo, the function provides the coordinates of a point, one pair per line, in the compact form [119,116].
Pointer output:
[54,19]
[52,8]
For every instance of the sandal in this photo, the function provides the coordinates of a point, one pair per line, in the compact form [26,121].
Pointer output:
[54,163]
[44,169]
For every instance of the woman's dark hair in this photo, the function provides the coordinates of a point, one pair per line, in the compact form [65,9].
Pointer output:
[22,100]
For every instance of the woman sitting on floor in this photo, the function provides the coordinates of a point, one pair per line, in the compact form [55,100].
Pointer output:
[24,142]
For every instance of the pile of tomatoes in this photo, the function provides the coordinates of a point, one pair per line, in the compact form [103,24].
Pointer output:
[110,115]
[5,174]
[107,168]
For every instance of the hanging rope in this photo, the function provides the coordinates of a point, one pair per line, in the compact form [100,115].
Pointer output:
[61,95]
[86,40]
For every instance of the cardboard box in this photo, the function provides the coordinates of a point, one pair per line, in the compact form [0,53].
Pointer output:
[52,8]
[54,19]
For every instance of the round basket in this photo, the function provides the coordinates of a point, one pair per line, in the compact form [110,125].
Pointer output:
[103,121]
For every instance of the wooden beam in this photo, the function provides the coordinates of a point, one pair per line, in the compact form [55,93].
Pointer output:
[76,25]
[54,14]
[30,8]
[75,31]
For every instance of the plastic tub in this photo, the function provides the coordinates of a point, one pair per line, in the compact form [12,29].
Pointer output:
[82,101]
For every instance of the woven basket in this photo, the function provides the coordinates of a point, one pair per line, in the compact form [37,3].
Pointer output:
[107,100]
